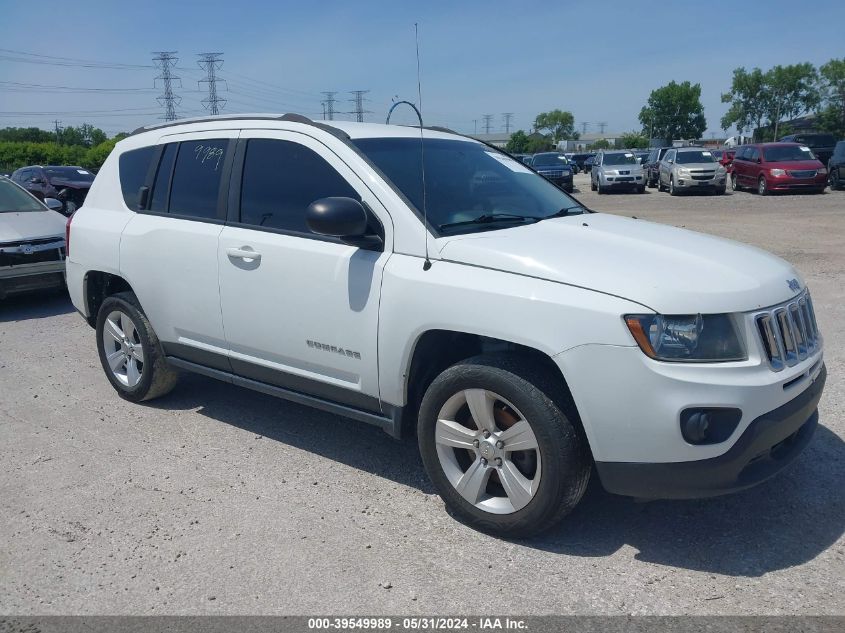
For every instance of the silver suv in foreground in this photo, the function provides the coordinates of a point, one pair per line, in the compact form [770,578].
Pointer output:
[691,169]
[617,170]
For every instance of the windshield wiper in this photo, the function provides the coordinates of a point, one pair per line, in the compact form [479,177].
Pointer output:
[489,218]
[565,211]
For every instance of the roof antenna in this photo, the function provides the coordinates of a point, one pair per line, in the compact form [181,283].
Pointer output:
[427,262]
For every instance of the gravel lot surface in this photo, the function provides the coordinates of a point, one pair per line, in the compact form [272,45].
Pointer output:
[217,500]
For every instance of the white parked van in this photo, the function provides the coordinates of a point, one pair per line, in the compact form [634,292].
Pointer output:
[522,337]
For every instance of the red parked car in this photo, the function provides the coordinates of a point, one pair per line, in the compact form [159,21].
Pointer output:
[769,167]
[725,158]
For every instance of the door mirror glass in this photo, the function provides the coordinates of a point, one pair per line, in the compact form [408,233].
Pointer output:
[53,204]
[337,217]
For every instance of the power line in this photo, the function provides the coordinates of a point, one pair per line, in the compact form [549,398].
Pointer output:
[212,62]
[488,119]
[507,116]
[358,99]
[16,86]
[165,61]
[328,104]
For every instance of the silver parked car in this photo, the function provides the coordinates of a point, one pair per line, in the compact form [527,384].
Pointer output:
[691,169]
[617,170]
[32,241]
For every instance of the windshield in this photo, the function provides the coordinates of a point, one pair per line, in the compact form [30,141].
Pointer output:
[550,160]
[622,158]
[818,140]
[776,154]
[466,181]
[69,173]
[695,157]
[13,198]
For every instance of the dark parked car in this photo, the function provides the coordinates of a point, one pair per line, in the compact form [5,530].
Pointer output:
[836,166]
[821,144]
[68,184]
[651,165]
[769,167]
[588,163]
[555,168]
[579,160]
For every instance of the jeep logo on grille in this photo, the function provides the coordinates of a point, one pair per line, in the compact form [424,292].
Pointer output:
[793,284]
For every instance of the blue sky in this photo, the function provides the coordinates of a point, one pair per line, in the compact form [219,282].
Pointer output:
[598,59]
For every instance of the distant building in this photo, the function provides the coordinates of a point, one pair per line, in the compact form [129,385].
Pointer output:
[498,139]
[586,141]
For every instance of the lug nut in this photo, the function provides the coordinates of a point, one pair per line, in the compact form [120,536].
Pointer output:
[500,444]
[498,461]
[486,434]
[476,443]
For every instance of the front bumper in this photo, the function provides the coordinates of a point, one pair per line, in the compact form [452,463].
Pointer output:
[27,277]
[629,181]
[768,444]
[719,182]
[786,183]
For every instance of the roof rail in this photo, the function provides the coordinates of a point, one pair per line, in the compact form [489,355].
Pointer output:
[291,117]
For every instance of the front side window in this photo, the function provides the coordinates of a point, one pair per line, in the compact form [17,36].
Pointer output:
[280,180]
[469,186]
[133,166]
[669,157]
[14,199]
[196,181]
[754,154]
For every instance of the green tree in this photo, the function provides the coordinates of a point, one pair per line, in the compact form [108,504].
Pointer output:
[746,96]
[27,134]
[538,143]
[674,112]
[559,123]
[633,140]
[791,91]
[517,143]
[832,93]
[602,143]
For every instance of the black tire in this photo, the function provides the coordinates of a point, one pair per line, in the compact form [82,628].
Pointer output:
[720,191]
[734,184]
[762,186]
[562,447]
[157,376]
[833,178]
[660,186]
[599,188]
[592,184]
[641,189]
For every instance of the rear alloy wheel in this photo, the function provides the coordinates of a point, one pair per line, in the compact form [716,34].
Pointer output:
[762,186]
[130,352]
[501,453]
[599,188]
[734,183]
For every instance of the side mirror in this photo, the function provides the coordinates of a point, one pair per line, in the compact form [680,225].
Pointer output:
[54,205]
[36,180]
[343,218]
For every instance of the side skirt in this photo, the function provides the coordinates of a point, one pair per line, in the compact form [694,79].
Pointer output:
[390,424]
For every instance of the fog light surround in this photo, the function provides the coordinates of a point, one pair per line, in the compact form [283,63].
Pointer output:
[701,426]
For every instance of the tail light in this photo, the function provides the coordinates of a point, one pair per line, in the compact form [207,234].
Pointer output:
[67,235]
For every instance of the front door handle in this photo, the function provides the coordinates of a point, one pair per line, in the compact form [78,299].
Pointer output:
[245,252]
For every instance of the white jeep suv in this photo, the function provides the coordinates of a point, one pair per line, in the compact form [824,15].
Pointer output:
[522,337]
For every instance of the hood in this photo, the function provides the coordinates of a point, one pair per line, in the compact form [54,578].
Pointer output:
[670,270]
[31,225]
[702,166]
[631,168]
[546,168]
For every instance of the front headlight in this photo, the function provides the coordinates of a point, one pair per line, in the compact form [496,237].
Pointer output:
[683,171]
[695,338]
[777,172]
[822,171]
[721,169]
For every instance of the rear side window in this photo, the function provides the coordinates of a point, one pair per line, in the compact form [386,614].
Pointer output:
[161,185]
[280,180]
[195,187]
[133,168]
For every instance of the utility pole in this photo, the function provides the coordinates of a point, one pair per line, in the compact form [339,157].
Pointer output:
[211,63]
[358,100]
[328,104]
[475,126]
[602,125]
[58,125]
[165,61]
[584,125]
[507,117]
[488,119]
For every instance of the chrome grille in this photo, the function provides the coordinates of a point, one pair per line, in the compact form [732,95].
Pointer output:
[805,173]
[789,332]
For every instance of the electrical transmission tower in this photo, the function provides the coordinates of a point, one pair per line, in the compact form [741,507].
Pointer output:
[507,116]
[488,120]
[211,63]
[584,125]
[358,100]
[602,125]
[328,105]
[165,61]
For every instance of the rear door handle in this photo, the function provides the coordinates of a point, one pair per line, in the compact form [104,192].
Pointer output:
[243,253]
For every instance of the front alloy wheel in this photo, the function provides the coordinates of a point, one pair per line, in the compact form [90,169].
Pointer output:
[762,186]
[488,451]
